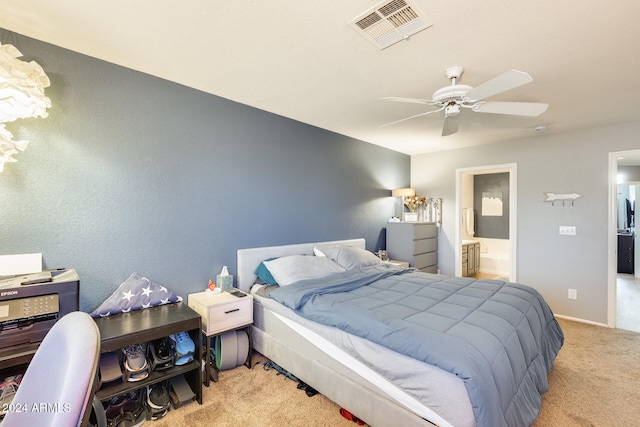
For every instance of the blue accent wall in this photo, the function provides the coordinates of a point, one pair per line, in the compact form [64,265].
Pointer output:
[132,173]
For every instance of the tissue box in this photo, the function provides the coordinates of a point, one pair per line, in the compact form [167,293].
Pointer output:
[224,282]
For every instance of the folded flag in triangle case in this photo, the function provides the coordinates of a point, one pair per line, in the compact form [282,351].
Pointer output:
[135,293]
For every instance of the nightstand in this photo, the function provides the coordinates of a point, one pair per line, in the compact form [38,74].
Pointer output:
[222,312]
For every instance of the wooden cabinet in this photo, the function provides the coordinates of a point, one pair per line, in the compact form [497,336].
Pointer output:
[470,258]
[414,242]
[140,326]
[625,253]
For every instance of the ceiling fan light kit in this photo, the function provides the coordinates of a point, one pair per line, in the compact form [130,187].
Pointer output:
[452,110]
[456,96]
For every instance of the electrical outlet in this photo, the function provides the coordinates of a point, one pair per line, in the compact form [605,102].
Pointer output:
[573,294]
[568,230]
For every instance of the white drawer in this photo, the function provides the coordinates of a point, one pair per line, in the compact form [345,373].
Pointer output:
[426,260]
[425,231]
[424,245]
[222,312]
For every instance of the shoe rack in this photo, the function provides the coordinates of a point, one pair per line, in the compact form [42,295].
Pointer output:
[136,327]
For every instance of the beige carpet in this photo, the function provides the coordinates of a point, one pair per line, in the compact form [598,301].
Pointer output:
[595,381]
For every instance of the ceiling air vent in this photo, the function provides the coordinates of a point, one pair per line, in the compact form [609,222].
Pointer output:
[389,22]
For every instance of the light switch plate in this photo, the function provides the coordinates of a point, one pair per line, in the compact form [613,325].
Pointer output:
[568,230]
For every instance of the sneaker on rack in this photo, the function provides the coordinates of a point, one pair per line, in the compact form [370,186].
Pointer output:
[184,343]
[158,396]
[155,416]
[158,401]
[134,358]
[183,360]
[161,353]
[138,376]
[135,363]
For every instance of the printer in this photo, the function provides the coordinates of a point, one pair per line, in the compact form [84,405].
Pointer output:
[30,304]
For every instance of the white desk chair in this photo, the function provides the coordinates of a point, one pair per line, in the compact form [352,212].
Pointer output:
[58,388]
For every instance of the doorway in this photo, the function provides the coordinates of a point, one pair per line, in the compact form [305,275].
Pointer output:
[499,255]
[623,288]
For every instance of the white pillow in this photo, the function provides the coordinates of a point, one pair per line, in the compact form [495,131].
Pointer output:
[289,269]
[348,257]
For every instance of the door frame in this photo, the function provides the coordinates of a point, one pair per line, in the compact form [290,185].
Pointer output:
[612,234]
[512,168]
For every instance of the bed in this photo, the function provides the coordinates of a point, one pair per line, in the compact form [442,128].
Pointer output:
[385,383]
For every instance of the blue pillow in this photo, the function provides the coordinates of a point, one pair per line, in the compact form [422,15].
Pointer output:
[264,274]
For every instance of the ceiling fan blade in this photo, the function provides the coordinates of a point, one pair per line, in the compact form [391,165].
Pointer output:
[450,125]
[532,109]
[502,83]
[412,117]
[412,100]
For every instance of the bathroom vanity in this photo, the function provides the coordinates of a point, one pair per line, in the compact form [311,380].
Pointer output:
[470,257]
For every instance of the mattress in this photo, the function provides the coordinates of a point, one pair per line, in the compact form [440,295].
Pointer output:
[402,379]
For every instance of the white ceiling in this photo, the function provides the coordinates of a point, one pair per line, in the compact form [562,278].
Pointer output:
[301,59]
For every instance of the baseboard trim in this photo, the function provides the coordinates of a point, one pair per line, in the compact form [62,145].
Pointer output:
[575,319]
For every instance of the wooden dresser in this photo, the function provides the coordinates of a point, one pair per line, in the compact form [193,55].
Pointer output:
[414,242]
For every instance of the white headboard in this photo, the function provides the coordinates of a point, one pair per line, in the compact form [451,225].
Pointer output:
[249,259]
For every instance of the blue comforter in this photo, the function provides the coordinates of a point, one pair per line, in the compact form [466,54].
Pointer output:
[500,338]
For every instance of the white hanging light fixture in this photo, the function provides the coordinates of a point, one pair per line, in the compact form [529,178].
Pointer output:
[21,96]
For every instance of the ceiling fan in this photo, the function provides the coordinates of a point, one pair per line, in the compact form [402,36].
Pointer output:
[456,96]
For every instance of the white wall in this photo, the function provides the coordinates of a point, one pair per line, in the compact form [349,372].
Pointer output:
[573,161]
[466,199]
